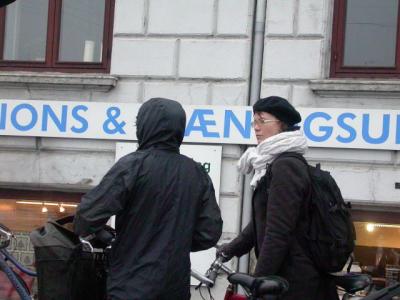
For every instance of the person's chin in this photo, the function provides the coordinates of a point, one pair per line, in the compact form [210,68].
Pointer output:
[259,139]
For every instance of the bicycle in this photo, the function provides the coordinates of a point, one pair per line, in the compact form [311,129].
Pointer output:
[254,287]
[68,266]
[8,263]
[350,283]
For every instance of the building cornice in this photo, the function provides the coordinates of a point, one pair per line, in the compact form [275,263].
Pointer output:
[31,80]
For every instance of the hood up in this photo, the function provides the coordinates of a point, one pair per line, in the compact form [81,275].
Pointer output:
[160,123]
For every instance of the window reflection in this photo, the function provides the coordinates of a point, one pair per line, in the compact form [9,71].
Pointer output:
[26,30]
[23,216]
[378,251]
[371,31]
[82,24]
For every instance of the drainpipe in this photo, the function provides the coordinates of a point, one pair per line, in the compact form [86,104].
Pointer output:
[254,94]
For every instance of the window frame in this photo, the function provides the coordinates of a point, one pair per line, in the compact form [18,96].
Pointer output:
[51,62]
[338,70]
[41,195]
[376,216]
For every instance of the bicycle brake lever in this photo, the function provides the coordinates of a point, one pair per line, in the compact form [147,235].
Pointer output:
[86,244]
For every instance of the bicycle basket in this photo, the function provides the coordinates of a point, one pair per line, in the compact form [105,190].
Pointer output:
[65,271]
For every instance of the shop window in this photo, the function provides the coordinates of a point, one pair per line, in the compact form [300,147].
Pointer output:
[365,40]
[377,250]
[26,215]
[56,35]
[23,211]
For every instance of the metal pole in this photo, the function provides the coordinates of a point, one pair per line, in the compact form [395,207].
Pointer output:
[254,95]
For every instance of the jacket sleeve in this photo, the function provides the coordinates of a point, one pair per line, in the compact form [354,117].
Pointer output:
[103,201]
[208,227]
[289,187]
[243,243]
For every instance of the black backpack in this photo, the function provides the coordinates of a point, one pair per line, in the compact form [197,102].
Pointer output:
[329,235]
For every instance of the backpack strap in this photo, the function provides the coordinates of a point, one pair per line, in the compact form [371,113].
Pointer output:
[292,154]
[300,157]
[283,154]
[306,207]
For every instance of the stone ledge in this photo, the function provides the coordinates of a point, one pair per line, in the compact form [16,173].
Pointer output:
[377,206]
[355,88]
[98,82]
[69,188]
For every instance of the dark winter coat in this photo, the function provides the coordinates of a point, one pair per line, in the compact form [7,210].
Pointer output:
[277,213]
[165,207]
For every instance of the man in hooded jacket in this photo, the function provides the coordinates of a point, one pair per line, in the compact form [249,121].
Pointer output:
[165,207]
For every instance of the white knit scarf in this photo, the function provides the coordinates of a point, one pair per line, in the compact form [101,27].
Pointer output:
[257,158]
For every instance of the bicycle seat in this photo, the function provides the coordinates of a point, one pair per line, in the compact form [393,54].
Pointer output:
[352,282]
[259,286]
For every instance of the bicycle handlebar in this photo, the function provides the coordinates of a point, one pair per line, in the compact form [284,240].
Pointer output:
[203,279]
[259,286]
[7,234]
[86,244]
[211,275]
[215,267]
[102,239]
[271,285]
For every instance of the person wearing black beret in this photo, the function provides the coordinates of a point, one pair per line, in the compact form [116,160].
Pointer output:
[281,185]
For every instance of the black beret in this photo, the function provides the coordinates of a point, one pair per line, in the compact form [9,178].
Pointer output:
[280,108]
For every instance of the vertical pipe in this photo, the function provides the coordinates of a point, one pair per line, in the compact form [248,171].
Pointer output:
[254,95]
[258,50]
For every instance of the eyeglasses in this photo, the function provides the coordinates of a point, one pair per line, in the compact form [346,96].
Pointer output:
[262,122]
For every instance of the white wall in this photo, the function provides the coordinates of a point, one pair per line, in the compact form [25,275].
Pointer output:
[193,51]
[198,52]
[297,50]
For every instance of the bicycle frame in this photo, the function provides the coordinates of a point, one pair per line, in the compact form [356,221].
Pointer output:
[8,257]
[17,282]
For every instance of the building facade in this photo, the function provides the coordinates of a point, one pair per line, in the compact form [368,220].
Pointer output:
[327,56]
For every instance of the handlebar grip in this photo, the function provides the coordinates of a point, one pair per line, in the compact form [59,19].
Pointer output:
[105,236]
[86,245]
[212,276]
[272,287]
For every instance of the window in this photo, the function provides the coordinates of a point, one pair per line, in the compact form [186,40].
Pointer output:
[56,35]
[23,211]
[377,249]
[365,40]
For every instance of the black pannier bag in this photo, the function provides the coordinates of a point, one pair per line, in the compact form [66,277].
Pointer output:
[329,237]
[65,271]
